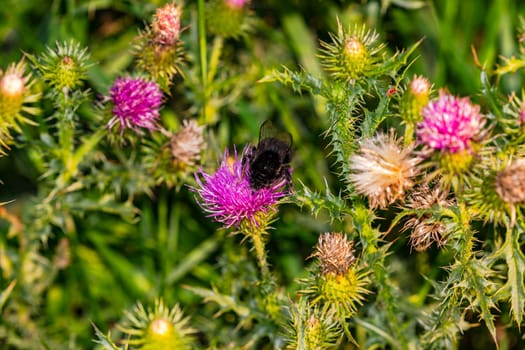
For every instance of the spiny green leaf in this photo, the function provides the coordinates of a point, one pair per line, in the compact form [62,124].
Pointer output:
[6,293]
[514,289]
[335,205]
[298,81]
[105,340]
[226,302]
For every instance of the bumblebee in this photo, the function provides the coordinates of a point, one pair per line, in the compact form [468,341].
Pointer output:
[269,161]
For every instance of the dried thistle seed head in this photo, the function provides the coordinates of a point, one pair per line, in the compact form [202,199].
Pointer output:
[187,144]
[335,253]
[424,233]
[382,170]
[510,183]
[426,230]
[426,197]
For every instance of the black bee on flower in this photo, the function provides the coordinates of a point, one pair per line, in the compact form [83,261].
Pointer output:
[269,161]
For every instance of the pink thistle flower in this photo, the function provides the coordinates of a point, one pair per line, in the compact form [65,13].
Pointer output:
[420,86]
[227,196]
[236,4]
[449,123]
[136,103]
[166,24]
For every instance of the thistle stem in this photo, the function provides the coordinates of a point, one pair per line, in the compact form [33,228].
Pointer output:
[260,252]
[202,55]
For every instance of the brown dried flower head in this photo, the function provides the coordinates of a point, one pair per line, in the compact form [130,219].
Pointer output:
[509,184]
[382,170]
[187,144]
[335,253]
[426,230]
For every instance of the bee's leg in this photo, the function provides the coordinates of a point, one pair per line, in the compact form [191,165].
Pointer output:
[247,155]
[288,176]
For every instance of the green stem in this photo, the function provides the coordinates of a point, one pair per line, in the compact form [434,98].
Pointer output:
[203,54]
[260,252]
[409,134]
[73,162]
[162,239]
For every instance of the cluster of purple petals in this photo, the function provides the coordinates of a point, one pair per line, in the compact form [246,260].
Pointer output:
[227,196]
[449,123]
[136,103]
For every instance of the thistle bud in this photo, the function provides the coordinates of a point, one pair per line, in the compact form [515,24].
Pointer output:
[227,18]
[157,328]
[158,48]
[352,54]
[340,283]
[63,67]
[311,328]
[414,98]
[15,95]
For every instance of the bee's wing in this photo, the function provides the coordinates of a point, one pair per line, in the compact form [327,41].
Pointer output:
[268,130]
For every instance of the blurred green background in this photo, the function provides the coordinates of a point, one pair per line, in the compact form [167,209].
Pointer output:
[111,262]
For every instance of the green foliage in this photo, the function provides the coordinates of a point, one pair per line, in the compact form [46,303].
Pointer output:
[103,244]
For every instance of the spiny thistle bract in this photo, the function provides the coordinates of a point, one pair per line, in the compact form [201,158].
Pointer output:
[352,55]
[63,67]
[158,48]
[157,328]
[497,192]
[15,99]
[311,327]
[336,282]
[382,169]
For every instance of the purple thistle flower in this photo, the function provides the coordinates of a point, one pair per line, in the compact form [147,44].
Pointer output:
[227,196]
[236,4]
[136,103]
[449,123]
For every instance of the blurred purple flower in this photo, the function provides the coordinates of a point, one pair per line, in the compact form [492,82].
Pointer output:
[236,4]
[449,123]
[227,196]
[136,103]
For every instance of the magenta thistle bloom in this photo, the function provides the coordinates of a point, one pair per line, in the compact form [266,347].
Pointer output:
[449,123]
[236,4]
[136,103]
[227,196]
